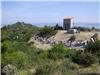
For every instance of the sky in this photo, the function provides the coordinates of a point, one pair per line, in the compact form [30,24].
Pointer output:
[49,12]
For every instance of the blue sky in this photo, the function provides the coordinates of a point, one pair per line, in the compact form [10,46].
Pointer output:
[49,12]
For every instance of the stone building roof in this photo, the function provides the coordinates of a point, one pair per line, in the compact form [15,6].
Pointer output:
[69,17]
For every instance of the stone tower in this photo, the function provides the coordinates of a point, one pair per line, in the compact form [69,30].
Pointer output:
[68,23]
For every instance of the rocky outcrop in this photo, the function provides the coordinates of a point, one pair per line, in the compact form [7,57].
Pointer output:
[9,70]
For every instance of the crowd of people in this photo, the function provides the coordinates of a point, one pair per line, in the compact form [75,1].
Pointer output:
[67,43]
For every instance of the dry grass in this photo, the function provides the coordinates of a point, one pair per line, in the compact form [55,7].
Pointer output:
[41,46]
[62,35]
[95,68]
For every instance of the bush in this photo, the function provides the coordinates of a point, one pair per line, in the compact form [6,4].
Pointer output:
[57,27]
[65,67]
[72,38]
[98,55]
[83,58]
[68,68]
[83,28]
[18,59]
[58,51]
[14,46]
[44,69]
[47,32]
[93,47]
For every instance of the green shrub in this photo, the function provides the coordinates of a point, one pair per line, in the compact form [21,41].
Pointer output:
[93,47]
[47,32]
[68,68]
[14,46]
[43,70]
[72,38]
[98,55]
[84,58]
[65,67]
[58,51]
[17,58]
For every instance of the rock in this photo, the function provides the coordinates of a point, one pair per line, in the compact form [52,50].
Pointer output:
[9,70]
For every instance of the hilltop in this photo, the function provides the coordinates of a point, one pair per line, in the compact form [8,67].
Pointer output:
[63,35]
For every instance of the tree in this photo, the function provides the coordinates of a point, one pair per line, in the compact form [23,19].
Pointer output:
[57,27]
[93,28]
[46,32]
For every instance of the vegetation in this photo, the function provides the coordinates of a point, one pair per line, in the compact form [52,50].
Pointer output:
[86,29]
[57,27]
[58,51]
[14,47]
[47,32]
[93,47]
[19,59]
[53,68]
[30,60]
[85,59]
[72,38]
[19,31]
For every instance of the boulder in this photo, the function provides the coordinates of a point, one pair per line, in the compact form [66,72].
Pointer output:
[9,70]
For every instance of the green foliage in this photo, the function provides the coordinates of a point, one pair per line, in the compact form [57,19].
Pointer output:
[83,28]
[57,27]
[93,47]
[17,58]
[72,38]
[47,32]
[98,55]
[83,58]
[58,51]
[19,31]
[65,67]
[5,46]
[16,51]
[14,46]
[68,68]
[45,69]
